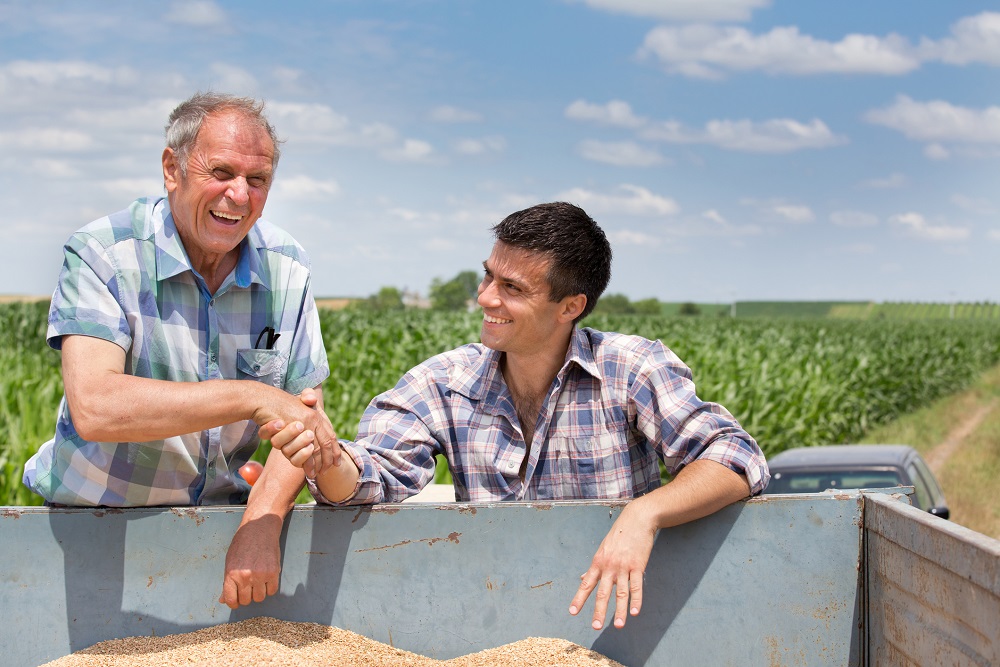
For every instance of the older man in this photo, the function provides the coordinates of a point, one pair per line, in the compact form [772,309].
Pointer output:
[184,322]
[544,409]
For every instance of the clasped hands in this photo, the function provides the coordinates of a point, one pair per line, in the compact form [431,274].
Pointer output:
[309,442]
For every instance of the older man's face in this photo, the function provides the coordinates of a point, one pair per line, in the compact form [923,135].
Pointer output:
[215,204]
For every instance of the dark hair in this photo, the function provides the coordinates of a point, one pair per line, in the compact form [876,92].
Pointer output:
[577,246]
[186,119]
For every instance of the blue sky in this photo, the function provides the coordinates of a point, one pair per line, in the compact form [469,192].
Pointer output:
[731,149]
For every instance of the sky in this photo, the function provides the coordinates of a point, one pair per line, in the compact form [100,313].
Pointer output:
[732,150]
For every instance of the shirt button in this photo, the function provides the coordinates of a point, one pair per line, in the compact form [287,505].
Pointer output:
[510,466]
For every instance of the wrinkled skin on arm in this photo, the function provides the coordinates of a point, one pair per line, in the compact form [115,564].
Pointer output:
[109,405]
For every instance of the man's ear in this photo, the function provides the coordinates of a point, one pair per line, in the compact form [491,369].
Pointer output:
[572,306]
[171,169]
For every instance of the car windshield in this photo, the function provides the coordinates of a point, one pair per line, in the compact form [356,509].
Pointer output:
[815,481]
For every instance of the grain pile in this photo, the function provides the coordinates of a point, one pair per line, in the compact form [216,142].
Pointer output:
[275,643]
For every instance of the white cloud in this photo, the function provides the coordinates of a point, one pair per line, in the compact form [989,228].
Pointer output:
[405,214]
[619,153]
[917,226]
[411,150]
[794,213]
[780,210]
[936,152]
[711,222]
[132,188]
[853,219]
[629,237]
[979,206]
[975,39]
[892,181]
[233,79]
[633,200]
[682,10]
[482,146]
[450,114]
[993,235]
[705,51]
[938,121]
[311,124]
[144,118]
[201,13]
[48,73]
[780,135]
[49,168]
[305,187]
[46,139]
[616,113]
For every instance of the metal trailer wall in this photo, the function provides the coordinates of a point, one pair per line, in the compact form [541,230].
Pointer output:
[933,589]
[770,581]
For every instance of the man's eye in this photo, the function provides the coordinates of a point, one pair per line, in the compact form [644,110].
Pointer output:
[257,182]
[222,174]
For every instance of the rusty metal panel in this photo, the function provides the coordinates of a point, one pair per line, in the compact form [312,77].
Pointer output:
[933,589]
[771,581]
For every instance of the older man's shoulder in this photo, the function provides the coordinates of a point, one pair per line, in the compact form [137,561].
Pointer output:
[135,222]
[269,237]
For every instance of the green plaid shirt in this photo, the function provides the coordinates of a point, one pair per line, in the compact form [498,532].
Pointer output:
[126,278]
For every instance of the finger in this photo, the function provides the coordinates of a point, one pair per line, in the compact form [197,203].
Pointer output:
[326,448]
[259,593]
[635,582]
[228,596]
[287,434]
[309,397]
[601,599]
[587,582]
[268,430]
[300,450]
[271,586]
[245,595]
[621,601]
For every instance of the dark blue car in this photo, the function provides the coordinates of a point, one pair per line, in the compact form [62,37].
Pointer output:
[817,469]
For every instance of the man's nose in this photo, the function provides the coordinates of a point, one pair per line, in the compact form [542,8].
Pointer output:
[488,296]
[239,191]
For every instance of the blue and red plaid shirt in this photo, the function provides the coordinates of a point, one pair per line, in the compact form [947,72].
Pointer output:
[618,404]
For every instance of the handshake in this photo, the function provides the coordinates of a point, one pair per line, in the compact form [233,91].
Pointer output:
[312,447]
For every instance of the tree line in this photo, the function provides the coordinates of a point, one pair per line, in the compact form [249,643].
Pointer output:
[460,292]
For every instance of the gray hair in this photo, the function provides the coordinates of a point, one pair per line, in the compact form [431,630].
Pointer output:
[186,119]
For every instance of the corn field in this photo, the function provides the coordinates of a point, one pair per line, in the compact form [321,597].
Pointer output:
[790,382]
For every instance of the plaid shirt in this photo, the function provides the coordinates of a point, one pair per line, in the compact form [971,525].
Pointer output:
[618,403]
[126,278]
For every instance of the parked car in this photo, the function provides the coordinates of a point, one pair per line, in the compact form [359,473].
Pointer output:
[817,469]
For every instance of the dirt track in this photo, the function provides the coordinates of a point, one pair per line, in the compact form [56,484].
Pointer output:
[938,456]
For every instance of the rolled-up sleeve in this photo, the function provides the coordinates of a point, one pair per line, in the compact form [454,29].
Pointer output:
[683,428]
[395,449]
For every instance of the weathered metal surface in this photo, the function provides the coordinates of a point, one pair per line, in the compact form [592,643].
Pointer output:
[933,589]
[770,581]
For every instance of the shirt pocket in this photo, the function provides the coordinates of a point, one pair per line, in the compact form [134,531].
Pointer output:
[593,465]
[267,366]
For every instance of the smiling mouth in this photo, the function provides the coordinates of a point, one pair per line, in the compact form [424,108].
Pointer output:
[495,320]
[228,218]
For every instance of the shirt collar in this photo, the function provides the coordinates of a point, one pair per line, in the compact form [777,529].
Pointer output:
[481,380]
[581,352]
[172,259]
